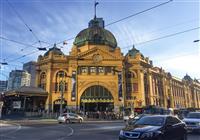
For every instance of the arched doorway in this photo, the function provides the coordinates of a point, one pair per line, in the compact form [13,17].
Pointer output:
[96,98]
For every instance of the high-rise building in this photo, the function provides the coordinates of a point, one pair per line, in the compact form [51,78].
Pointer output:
[30,67]
[18,78]
[3,86]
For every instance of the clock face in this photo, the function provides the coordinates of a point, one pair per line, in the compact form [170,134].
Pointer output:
[97,58]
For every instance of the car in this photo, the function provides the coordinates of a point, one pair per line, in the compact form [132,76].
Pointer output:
[70,117]
[126,118]
[155,127]
[131,121]
[192,121]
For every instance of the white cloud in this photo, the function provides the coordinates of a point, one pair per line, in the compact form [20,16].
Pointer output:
[181,65]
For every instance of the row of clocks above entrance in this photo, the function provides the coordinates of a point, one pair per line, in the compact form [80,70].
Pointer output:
[96,70]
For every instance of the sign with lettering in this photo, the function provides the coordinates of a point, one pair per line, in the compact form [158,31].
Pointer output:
[120,85]
[17,104]
[73,93]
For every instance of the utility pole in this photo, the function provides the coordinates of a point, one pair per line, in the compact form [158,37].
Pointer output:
[61,92]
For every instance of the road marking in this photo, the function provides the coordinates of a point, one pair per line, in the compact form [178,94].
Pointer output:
[1,136]
[72,132]
[68,135]
[105,128]
[11,132]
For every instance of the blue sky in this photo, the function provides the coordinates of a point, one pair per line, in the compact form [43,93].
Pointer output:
[57,20]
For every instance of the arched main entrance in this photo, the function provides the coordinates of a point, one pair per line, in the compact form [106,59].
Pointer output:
[96,98]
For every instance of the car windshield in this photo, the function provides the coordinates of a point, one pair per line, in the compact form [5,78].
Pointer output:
[194,115]
[151,120]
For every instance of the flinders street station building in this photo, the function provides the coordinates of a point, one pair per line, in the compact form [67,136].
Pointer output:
[97,76]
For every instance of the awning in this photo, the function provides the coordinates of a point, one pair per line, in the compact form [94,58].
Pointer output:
[27,91]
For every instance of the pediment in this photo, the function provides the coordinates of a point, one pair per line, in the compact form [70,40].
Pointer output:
[106,55]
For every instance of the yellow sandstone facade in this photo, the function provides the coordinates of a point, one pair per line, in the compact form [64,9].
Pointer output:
[96,76]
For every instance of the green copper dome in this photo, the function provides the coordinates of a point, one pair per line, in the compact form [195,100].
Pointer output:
[54,50]
[95,34]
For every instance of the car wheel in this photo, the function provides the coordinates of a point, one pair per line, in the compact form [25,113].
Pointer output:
[184,137]
[67,121]
[59,122]
[80,121]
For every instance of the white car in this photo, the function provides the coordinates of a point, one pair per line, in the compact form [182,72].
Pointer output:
[70,117]
[126,118]
[192,121]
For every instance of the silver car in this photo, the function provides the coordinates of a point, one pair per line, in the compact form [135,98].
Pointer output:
[192,121]
[70,117]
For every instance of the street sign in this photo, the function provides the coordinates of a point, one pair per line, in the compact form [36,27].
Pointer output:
[17,104]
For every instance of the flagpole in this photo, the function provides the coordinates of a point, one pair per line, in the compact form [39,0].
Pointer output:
[95,9]
[95,5]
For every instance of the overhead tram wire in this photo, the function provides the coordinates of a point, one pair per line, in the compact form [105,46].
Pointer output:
[105,25]
[29,46]
[19,16]
[135,14]
[130,16]
[111,22]
[21,43]
[23,56]
[166,36]
[24,44]
[163,37]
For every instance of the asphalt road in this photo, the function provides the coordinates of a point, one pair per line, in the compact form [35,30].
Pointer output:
[54,131]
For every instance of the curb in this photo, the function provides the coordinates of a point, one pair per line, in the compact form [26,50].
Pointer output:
[55,120]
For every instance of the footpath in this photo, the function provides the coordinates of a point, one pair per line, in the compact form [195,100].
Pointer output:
[52,121]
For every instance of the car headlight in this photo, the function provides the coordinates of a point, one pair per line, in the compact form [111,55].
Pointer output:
[147,135]
[121,133]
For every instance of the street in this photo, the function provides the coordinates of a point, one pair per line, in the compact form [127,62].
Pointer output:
[54,131]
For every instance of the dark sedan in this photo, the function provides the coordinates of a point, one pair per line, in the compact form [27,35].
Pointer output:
[155,127]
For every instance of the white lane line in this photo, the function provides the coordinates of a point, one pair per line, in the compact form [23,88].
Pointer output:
[68,135]
[1,136]
[105,128]
[72,132]
[11,132]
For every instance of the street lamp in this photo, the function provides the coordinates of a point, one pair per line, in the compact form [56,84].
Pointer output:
[77,68]
[61,74]
[3,63]
[197,41]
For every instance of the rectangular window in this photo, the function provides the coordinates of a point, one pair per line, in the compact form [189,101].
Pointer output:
[93,69]
[101,69]
[84,69]
[129,88]
[66,86]
[56,87]
[135,87]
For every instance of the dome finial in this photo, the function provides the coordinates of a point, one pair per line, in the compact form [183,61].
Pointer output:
[95,5]
[54,45]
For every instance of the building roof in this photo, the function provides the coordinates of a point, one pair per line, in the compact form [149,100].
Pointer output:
[133,52]
[27,91]
[95,34]
[187,78]
[54,50]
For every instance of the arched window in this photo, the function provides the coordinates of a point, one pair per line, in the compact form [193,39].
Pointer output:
[131,75]
[60,82]
[43,80]
[97,92]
